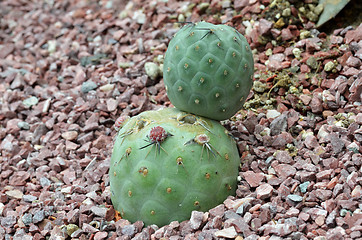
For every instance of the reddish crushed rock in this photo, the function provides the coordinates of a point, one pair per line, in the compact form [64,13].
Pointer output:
[69,69]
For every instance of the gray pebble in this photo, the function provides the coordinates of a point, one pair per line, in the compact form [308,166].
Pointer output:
[45,182]
[295,198]
[278,125]
[331,219]
[303,186]
[129,230]
[31,101]
[27,219]
[88,86]
[24,125]
[29,198]
[8,222]
[343,212]
[38,216]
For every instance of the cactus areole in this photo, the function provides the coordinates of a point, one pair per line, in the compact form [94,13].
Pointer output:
[208,70]
[167,163]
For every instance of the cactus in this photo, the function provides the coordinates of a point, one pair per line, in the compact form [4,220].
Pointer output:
[167,163]
[208,70]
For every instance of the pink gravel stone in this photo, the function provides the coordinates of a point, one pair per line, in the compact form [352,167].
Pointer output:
[353,62]
[265,26]
[316,105]
[286,34]
[311,142]
[284,170]
[100,235]
[254,179]
[264,191]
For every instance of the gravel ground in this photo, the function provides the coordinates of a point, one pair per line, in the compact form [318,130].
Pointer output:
[68,69]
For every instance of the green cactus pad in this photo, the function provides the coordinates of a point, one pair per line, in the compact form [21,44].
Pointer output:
[208,70]
[159,177]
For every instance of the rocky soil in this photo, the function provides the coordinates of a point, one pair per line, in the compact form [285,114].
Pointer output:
[68,69]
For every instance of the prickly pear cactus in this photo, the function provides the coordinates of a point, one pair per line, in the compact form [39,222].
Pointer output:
[208,70]
[167,163]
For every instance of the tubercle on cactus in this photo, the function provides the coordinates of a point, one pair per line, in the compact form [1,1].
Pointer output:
[204,141]
[139,124]
[180,162]
[156,137]
[188,118]
[126,154]
[118,124]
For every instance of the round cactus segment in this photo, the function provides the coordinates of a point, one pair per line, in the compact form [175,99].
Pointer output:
[167,163]
[204,58]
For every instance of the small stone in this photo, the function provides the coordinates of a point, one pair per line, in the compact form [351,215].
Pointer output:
[296,52]
[329,66]
[45,182]
[336,233]
[31,101]
[319,220]
[272,113]
[139,17]
[8,222]
[14,194]
[88,228]
[303,186]
[129,230]
[312,62]
[27,218]
[286,34]
[71,228]
[315,212]
[283,157]
[304,35]
[292,212]
[196,219]
[52,46]
[29,198]
[264,191]
[353,62]
[331,219]
[319,9]
[107,87]
[305,99]
[23,125]
[286,12]
[285,170]
[38,216]
[253,179]
[295,198]
[88,86]
[70,135]
[217,211]
[265,26]
[304,216]
[336,142]
[278,125]
[356,192]
[229,232]
[2,207]
[100,235]
[112,104]
[311,142]
[325,174]
[117,35]
[152,70]
[99,211]
[316,104]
